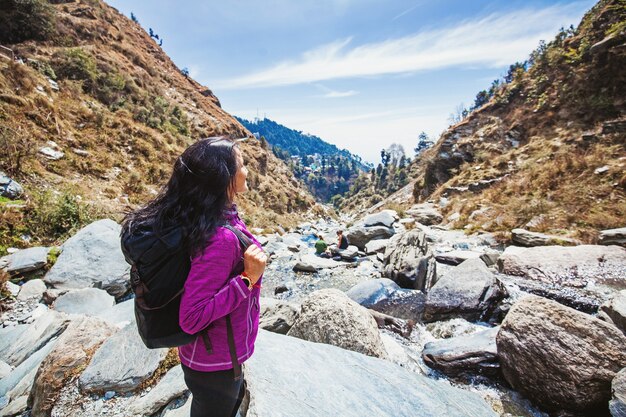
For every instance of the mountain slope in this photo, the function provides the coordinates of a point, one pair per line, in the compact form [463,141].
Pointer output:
[546,151]
[121,114]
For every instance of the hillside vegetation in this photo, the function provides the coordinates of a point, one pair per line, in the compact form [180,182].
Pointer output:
[114,112]
[545,147]
[327,171]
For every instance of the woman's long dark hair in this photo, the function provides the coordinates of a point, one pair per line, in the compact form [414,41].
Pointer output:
[196,195]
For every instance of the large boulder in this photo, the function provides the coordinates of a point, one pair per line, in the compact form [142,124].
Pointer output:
[425,213]
[558,357]
[470,291]
[576,266]
[121,363]
[359,235]
[613,237]
[71,353]
[525,237]
[120,314]
[88,301]
[171,386]
[387,297]
[464,356]
[19,381]
[376,246]
[32,290]
[614,310]
[345,383]
[409,262]
[329,316]
[277,316]
[617,405]
[20,342]
[383,218]
[92,258]
[313,263]
[27,260]
[457,257]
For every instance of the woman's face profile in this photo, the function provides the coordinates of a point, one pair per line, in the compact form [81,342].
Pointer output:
[240,184]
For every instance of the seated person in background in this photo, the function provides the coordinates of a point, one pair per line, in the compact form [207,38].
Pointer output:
[320,246]
[342,241]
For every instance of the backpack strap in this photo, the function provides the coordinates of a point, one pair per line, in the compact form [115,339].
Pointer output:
[244,242]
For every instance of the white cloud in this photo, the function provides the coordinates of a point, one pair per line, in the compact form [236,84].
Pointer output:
[492,41]
[328,93]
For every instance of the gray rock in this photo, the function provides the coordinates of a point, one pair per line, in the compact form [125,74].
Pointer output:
[349,253]
[376,246]
[5,369]
[32,290]
[456,257]
[120,314]
[359,236]
[383,218]
[72,352]
[470,291]
[465,356]
[121,364]
[527,238]
[490,258]
[50,153]
[263,240]
[277,316]
[409,262]
[171,386]
[617,405]
[558,357]
[329,316]
[15,407]
[384,388]
[20,342]
[183,411]
[613,236]
[12,288]
[575,266]
[426,214]
[312,263]
[387,297]
[615,310]
[9,188]
[27,260]
[88,301]
[24,370]
[92,258]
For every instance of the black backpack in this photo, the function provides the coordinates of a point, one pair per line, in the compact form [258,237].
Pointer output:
[159,268]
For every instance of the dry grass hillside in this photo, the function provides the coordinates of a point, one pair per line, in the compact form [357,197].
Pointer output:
[548,150]
[121,114]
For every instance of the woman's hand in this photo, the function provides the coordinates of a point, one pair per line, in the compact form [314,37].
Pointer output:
[254,260]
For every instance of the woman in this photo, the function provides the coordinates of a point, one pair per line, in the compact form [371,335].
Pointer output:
[199,196]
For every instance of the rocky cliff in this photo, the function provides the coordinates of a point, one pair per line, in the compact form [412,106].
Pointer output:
[546,151]
[92,108]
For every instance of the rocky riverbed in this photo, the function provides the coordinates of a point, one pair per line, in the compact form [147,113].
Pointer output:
[417,316]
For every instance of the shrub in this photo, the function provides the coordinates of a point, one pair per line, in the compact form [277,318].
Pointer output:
[43,68]
[17,147]
[50,215]
[22,20]
[110,87]
[77,64]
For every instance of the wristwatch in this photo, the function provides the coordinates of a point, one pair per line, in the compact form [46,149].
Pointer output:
[246,281]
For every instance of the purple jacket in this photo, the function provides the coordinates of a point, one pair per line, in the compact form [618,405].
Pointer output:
[210,294]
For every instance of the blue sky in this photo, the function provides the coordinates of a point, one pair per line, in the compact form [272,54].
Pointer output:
[361,74]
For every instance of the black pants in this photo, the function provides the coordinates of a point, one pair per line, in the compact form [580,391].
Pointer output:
[215,394]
